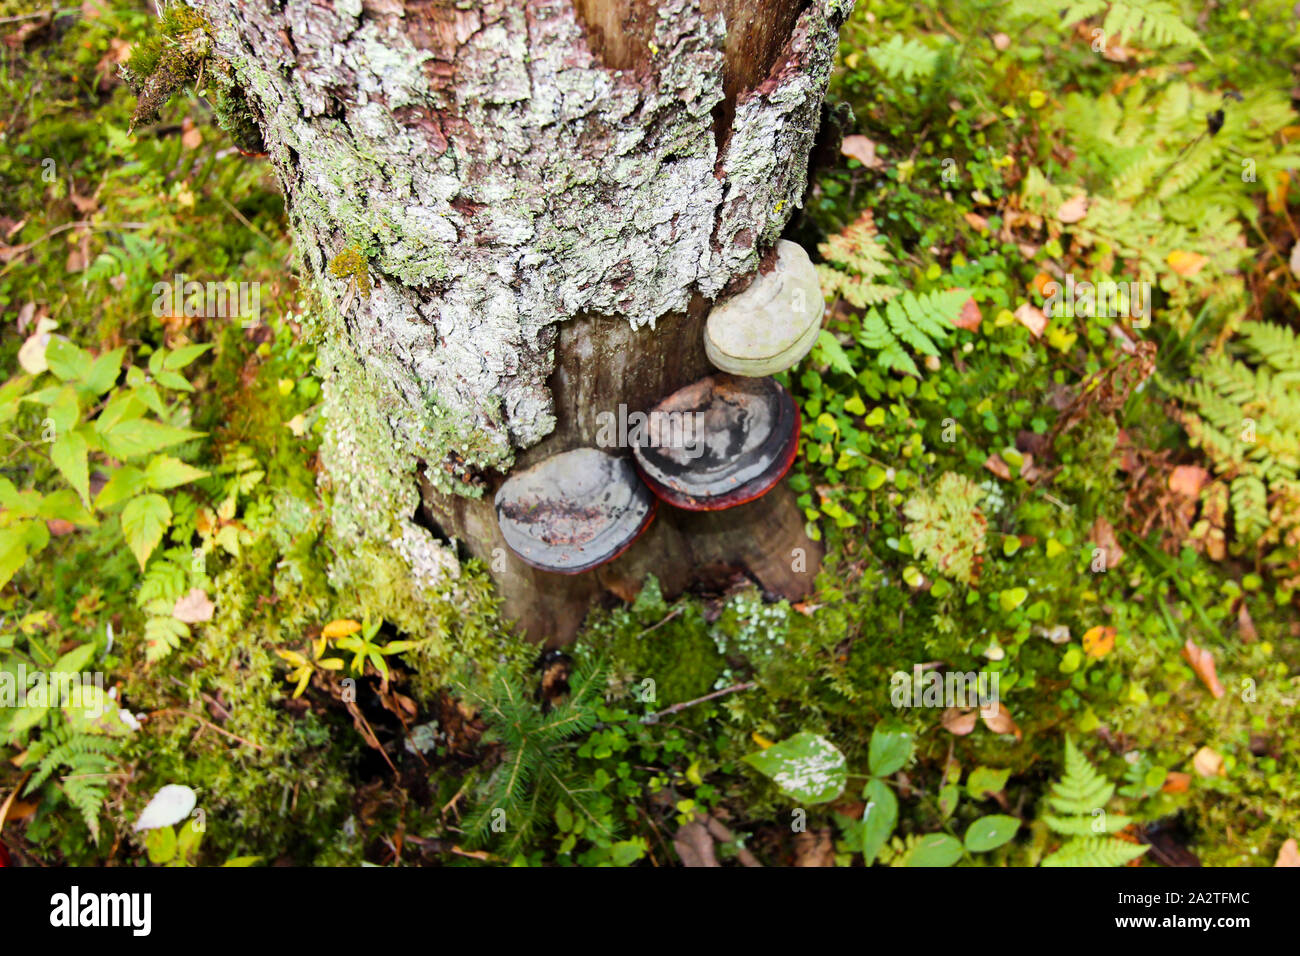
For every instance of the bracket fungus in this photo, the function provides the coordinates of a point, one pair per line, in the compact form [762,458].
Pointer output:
[744,434]
[574,511]
[773,323]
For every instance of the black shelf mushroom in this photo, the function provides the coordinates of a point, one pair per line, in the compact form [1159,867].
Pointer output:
[574,511]
[739,437]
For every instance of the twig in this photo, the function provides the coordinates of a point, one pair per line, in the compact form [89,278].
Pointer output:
[206,723]
[653,718]
[4,809]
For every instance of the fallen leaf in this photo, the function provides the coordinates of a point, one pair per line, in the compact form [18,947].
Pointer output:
[1000,721]
[976,221]
[1202,662]
[1098,641]
[1246,624]
[31,356]
[1289,855]
[970,316]
[1001,42]
[1032,318]
[860,148]
[995,464]
[1188,480]
[193,607]
[959,722]
[1176,782]
[1207,762]
[58,527]
[1073,209]
[1102,536]
[1186,264]
[191,135]
[814,848]
[1040,282]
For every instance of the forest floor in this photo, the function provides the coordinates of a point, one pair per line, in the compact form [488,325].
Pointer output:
[1051,442]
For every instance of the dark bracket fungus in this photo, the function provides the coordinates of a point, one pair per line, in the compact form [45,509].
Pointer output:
[773,323]
[574,511]
[741,437]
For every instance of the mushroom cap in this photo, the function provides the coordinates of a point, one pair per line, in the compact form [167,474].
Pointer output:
[771,325]
[573,511]
[747,438]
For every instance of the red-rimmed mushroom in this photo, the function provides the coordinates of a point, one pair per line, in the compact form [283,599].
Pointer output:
[738,438]
[574,511]
[773,323]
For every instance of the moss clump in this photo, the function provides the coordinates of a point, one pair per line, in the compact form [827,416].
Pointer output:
[351,263]
[163,63]
[643,644]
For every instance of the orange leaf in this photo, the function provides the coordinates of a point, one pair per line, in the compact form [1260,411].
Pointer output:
[1032,318]
[1177,782]
[1072,210]
[959,722]
[1208,763]
[1000,721]
[970,316]
[1202,662]
[1099,641]
[1188,480]
[1289,855]
[861,149]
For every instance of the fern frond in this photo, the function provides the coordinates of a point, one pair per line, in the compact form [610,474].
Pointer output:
[1095,851]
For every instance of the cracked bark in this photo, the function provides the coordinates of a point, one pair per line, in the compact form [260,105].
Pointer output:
[549,194]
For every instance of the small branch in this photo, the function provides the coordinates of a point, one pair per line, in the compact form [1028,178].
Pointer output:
[653,718]
[206,723]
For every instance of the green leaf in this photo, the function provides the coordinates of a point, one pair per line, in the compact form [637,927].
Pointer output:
[833,353]
[126,482]
[935,849]
[160,844]
[138,437]
[66,360]
[807,767]
[891,746]
[76,659]
[103,373]
[985,780]
[66,506]
[68,454]
[182,357]
[878,819]
[989,833]
[144,520]
[164,471]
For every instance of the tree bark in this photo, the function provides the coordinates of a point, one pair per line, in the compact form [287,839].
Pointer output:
[547,195]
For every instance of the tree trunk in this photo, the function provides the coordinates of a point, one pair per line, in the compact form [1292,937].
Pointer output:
[546,196]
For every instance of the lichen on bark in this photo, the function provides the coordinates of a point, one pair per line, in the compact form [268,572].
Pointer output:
[502,180]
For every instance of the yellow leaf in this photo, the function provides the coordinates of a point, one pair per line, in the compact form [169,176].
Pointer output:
[761,740]
[340,628]
[1186,264]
